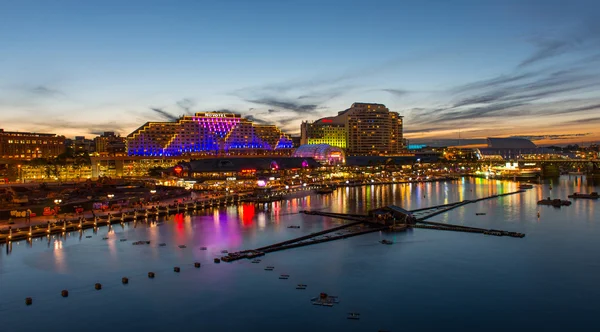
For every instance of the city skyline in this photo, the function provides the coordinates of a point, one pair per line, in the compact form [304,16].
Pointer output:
[508,69]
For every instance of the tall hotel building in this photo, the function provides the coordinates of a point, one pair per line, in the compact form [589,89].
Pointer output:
[208,134]
[363,129]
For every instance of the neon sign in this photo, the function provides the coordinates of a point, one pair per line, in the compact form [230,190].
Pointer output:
[178,169]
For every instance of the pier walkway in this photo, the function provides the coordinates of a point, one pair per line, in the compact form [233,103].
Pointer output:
[389,218]
[392,218]
[428,212]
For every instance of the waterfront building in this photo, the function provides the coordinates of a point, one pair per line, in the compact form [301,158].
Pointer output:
[80,145]
[131,166]
[331,131]
[109,144]
[208,134]
[509,148]
[46,173]
[28,146]
[323,153]
[363,129]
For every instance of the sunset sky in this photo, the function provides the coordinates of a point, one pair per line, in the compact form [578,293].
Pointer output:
[484,68]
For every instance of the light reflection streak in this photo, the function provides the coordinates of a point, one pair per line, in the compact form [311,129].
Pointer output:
[59,256]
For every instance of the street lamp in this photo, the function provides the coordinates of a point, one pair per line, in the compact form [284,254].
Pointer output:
[153,191]
[57,202]
[110,196]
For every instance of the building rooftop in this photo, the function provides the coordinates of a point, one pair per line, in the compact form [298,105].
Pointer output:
[510,143]
[24,133]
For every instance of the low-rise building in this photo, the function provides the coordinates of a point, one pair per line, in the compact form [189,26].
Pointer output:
[16,145]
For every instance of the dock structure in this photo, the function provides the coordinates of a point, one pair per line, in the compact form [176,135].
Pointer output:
[105,219]
[387,218]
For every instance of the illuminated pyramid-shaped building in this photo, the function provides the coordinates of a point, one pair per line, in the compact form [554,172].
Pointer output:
[208,134]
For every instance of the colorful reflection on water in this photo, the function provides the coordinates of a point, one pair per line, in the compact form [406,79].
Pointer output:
[445,275]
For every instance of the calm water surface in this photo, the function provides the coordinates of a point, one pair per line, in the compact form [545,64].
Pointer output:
[427,280]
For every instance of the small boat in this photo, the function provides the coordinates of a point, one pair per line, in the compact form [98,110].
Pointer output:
[353,315]
[386,242]
[525,186]
[269,268]
[256,261]
[217,260]
[301,286]
[593,195]
[182,246]
[293,226]
[162,244]
[104,238]
[88,237]
[283,277]
[123,240]
[480,214]
[202,248]
[325,190]
[554,202]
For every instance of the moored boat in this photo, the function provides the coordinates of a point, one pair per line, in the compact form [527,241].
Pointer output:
[592,195]
[554,202]
[325,190]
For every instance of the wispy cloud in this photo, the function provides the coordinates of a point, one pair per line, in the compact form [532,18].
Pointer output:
[584,121]
[396,92]
[576,109]
[257,120]
[585,36]
[186,104]
[46,91]
[552,137]
[164,114]
[287,105]
[91,128]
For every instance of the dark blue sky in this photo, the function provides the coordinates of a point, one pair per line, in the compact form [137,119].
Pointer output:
[527,68]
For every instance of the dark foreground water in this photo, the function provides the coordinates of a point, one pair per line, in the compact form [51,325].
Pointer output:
[427,280]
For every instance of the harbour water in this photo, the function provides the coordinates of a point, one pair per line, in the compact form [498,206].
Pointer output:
[426,280]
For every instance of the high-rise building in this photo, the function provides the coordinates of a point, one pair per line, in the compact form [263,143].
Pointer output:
[363,129]
[27,146]
[206,134]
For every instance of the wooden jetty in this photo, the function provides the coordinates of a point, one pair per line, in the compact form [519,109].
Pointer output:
[130,215]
